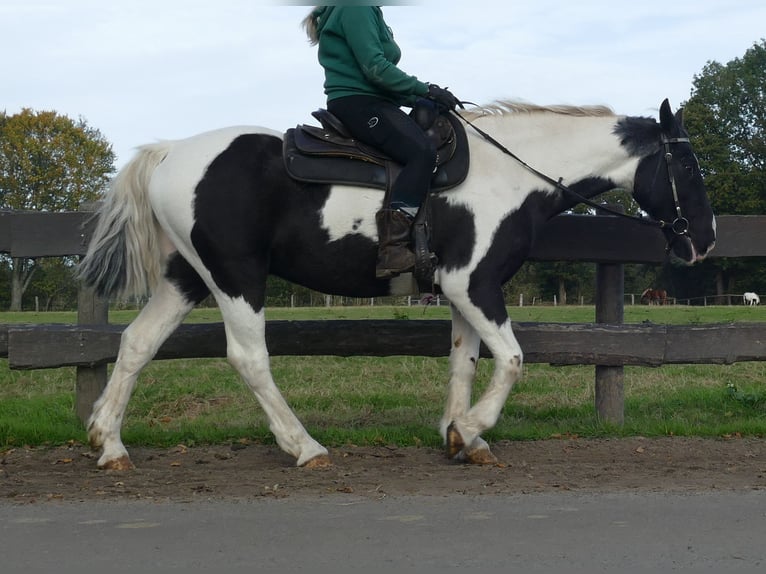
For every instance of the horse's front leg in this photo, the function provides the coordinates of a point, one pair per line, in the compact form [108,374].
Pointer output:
[463,431]
[464,359]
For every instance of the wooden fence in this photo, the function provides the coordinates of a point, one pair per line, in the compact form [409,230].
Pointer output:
[607,343]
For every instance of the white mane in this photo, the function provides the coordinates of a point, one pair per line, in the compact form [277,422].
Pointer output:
[508,107]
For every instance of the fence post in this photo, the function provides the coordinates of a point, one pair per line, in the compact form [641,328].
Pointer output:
[610,394]
[91,310]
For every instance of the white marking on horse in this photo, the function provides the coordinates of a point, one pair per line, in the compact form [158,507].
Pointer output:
[340,213]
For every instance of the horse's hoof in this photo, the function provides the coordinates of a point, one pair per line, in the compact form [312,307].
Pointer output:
[318,462]
[480,456]
[123,463]
[455,442]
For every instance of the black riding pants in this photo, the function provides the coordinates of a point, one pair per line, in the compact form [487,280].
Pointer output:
[383,125]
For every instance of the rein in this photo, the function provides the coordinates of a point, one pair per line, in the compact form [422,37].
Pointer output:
[679,226]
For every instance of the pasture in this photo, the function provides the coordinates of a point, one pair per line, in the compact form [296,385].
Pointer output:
[394,400]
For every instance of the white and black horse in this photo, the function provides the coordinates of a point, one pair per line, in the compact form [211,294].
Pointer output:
[216,213]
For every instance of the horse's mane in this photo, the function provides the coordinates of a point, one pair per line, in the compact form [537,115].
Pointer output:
[638,134]
[508,107]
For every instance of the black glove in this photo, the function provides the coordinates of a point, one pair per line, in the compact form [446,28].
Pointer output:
[443,97]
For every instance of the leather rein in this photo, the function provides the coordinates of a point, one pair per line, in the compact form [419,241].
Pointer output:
[679,226]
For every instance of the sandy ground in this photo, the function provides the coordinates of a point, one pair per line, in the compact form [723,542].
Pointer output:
[243,471]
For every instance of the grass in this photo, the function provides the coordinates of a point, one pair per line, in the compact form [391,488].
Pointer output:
[393,400]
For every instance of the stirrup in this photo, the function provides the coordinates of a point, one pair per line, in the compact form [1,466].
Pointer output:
[425,259]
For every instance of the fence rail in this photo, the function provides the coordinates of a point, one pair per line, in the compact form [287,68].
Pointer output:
[607,343]
[600,239]
[555,343]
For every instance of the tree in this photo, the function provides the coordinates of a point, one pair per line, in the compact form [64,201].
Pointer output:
[48,162]
[53,285]
[726,117]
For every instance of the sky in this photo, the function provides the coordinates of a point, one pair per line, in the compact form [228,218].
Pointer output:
[146,70]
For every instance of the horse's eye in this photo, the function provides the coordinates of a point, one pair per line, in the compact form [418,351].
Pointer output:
[690,165]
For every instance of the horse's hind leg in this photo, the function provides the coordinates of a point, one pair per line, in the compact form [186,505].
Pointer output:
[247,352]
[139,343]
[464,358]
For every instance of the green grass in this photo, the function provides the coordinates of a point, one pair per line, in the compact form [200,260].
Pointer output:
[672,314]
[393,400]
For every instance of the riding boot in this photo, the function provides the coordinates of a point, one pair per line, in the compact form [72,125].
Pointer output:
[393,237]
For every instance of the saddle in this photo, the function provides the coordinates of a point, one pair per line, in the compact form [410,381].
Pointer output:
[329,154]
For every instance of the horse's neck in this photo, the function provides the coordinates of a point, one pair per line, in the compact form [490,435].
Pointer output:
[581,151]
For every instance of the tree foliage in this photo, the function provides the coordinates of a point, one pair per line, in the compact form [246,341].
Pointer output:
[48,162]
[726,117]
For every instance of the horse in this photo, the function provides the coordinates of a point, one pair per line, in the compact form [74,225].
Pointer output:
[654,296]
[217,212]
[750,298]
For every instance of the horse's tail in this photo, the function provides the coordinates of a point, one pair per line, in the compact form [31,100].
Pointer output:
[123,256]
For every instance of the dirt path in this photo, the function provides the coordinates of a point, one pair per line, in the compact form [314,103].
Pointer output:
[251,471]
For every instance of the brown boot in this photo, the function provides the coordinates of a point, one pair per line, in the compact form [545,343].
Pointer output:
[393,237]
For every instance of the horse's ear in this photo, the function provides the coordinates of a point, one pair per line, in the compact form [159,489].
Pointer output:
[667,120]
[680,117]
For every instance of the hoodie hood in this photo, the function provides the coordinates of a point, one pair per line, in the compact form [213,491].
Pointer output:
[321,15]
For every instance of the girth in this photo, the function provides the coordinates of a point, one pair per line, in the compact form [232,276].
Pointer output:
[329,154]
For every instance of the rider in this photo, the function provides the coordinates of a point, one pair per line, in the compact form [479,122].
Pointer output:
[365,90]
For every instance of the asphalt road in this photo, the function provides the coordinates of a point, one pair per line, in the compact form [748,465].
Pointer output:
[720,532]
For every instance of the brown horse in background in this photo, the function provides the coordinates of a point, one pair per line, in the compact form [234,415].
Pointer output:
[654,297]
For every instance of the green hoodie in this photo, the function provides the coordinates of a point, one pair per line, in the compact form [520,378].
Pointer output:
[359,55]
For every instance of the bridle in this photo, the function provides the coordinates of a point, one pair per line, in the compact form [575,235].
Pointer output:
[679,226]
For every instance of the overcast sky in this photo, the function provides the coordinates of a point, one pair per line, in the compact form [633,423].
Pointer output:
[145,70]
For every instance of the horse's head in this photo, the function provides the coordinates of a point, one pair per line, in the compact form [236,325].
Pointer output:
[669,187]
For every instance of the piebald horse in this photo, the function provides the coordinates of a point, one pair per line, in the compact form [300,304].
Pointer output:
[217,212]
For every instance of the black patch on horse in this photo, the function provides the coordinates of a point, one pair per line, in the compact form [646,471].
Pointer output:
[639,136]
[282,233]
[188,281]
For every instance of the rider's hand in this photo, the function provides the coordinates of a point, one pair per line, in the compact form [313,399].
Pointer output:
[443,97]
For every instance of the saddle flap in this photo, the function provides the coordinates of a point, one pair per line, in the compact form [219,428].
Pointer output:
[313,140]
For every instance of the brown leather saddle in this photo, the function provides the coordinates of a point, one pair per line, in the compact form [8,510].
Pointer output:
[329,154]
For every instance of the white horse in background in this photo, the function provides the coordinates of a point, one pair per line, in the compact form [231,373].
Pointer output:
[751,299]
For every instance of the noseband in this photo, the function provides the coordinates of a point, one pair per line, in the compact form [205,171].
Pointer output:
[679,226]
